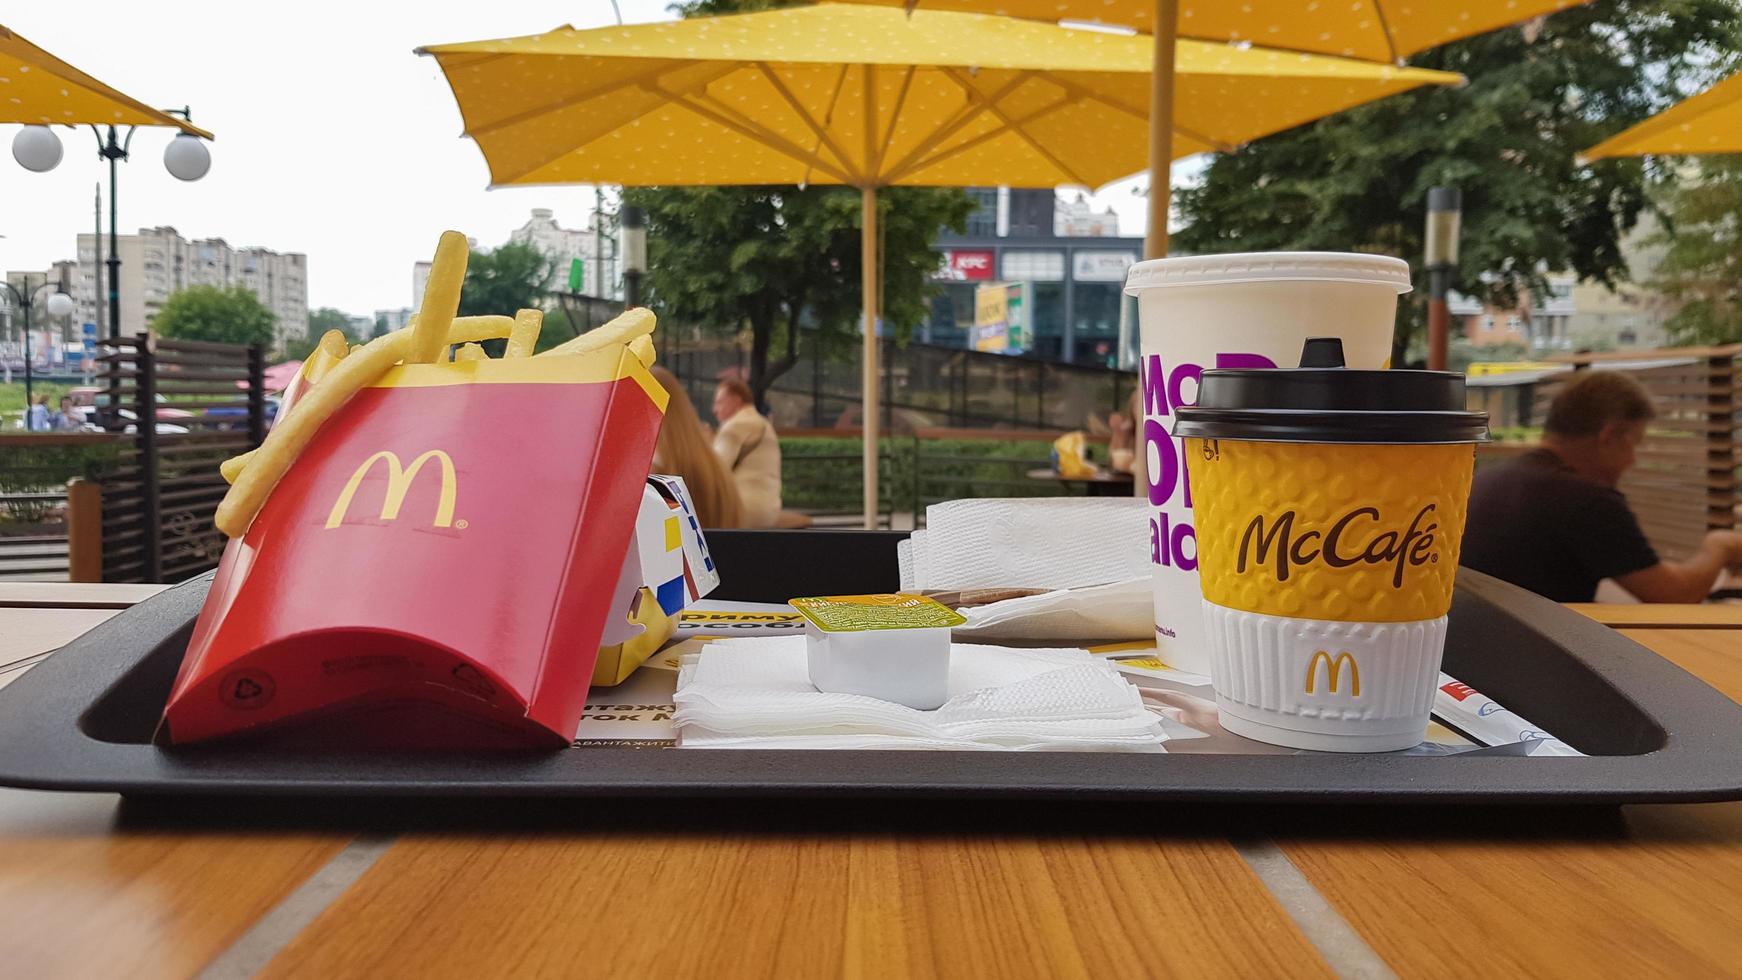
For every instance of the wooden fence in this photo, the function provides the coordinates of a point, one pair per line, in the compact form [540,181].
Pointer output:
[208,402]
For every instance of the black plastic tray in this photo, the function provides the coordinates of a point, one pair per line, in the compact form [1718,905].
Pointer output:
[82,720]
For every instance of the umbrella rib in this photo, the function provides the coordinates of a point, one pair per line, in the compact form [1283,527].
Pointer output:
[723,115]
[1385,29]
[1071,98]
[822,134]
[566,101]
[829,116]
[949,126]
[1033,143]
[894,117]
[1220,146]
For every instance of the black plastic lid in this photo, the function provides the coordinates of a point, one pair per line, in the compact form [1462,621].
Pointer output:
[1323,401]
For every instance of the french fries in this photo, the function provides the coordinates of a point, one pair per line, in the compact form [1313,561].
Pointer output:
[642,348]
[286,441]
[231,468]
[335,372]
[623,329]
[524,335]
[441,299]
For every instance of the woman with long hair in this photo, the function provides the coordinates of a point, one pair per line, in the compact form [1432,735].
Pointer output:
[685,449]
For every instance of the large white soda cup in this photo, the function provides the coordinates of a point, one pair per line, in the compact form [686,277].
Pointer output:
[1244,310]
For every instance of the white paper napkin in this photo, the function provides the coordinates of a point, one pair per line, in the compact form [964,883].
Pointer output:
[756,693]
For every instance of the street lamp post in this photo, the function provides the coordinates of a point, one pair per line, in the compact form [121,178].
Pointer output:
[1444,219]
[59,305]
[37,148]
[634,224]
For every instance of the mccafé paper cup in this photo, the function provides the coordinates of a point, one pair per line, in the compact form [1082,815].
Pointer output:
[1330,507]
[1235,311]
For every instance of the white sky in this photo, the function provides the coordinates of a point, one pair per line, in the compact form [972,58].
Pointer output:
[333,139]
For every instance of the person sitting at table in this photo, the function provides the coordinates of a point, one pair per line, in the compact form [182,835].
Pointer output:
[749,447]
[683,450]
[70,418]
[1553,522]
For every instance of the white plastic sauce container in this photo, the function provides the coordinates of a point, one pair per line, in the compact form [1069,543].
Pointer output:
[890,647]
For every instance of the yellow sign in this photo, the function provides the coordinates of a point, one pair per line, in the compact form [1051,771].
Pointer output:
[1334,672]
[399,481]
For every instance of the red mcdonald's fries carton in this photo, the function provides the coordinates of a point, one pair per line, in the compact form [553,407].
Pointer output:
[437,567]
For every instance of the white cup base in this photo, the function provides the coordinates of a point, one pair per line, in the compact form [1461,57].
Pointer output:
[1316,741]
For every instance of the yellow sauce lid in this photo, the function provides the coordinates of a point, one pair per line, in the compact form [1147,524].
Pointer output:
[854,613]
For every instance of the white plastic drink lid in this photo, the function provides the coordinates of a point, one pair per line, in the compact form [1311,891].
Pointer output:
[1246,267]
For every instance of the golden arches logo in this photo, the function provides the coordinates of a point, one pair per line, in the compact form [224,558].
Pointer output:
[399,480]
[1334,672]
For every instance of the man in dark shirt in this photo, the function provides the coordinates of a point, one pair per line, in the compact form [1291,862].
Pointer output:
[1553,522]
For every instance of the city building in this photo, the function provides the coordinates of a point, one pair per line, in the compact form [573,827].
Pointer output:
[575,255]
[1079,219]
[158,261]
[395,319]
[1070,288]
[1577,315]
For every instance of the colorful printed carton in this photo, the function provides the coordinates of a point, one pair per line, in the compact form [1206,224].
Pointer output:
[438,567]
[668,568]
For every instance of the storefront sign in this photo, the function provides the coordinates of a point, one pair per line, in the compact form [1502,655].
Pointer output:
[1101,266]
[966,265]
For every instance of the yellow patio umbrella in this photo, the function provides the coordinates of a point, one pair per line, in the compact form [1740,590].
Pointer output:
[870,97]
[1372,30]
[1710,122]
[38,89]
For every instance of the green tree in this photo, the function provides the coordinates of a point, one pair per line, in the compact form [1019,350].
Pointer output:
[505,279]
[222,315]
[326,318]
[768,259]
[380,327]
[1537,95]
[1701,271]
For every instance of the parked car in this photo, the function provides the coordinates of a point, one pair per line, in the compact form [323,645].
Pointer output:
[95,402]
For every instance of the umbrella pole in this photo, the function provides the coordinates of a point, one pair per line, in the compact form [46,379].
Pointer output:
[869,377]
[1161,81]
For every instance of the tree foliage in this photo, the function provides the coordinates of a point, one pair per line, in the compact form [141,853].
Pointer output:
[512,277]
[230,315]
[1537,94]
[1701,271]
[326,318]
[767,259]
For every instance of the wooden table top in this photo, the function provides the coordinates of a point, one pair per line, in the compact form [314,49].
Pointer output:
[93,886]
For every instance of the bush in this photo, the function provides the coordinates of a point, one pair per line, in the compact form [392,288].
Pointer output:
[26,469]
[825,474]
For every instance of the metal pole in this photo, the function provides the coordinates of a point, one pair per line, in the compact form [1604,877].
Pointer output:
[868,375]
[114,153]
[97,262]
[1439,317]
[24,301]
[1161,81]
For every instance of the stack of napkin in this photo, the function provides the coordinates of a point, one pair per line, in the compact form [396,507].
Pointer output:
[756,693]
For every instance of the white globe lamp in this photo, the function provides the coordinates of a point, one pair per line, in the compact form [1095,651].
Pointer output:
[60,305]
[186,157]
[36,148]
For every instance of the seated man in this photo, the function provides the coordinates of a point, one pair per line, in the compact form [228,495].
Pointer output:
[1553,522]
[748,446]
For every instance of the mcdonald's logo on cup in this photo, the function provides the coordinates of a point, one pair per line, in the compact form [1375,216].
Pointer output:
[1334,672]
[399,481]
